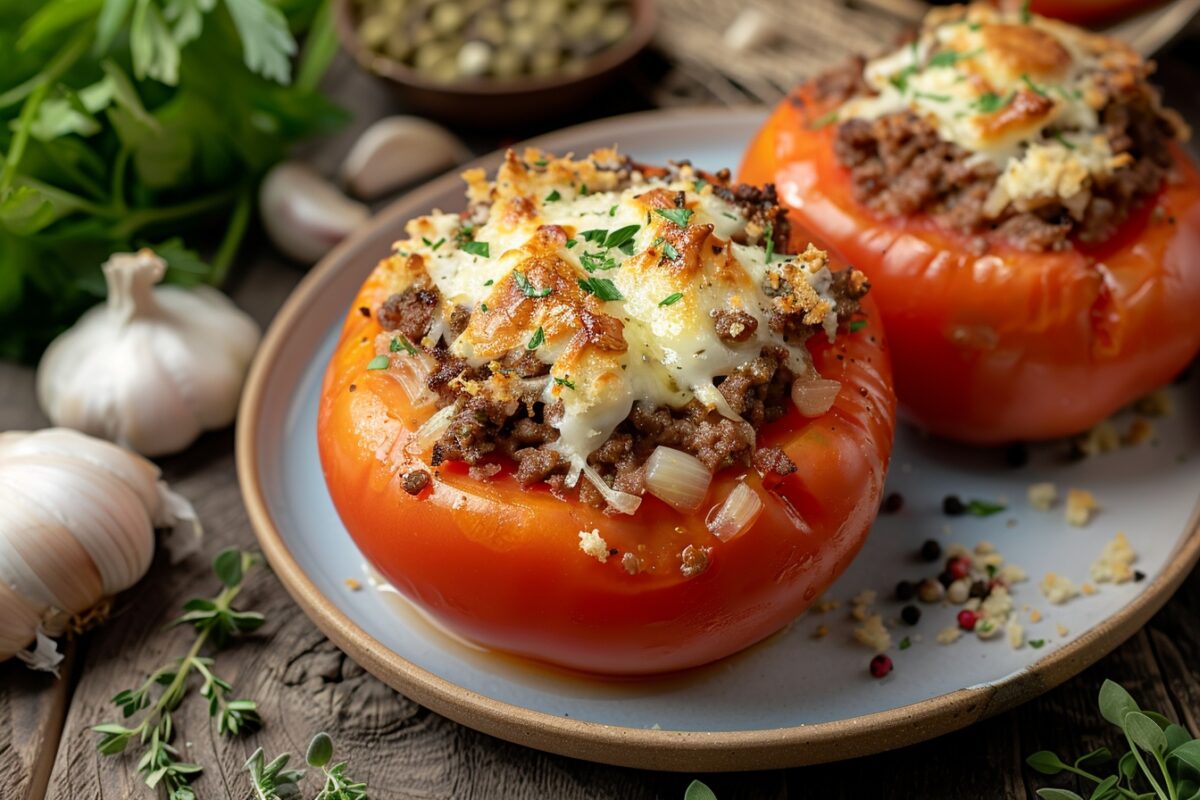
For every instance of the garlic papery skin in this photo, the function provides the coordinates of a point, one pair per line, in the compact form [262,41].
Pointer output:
[77,520]
[154,366]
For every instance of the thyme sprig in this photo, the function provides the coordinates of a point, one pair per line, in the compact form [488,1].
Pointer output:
[274,781]
[215,621]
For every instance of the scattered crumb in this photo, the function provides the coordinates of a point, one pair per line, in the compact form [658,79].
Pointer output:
[1042,496]
[1115,563]
[985,548]
[1140,431]
[1062,630]
[592,543]
[1087,589]
[1155,404]
[823,605]
[1058,589]
[1011,573]
[1081,504]
[956,550]
[353,584]
[1035,616]
[949,634]
[1101,439]
[1016,634]
[986,629]
[821,632]
[873,634]
[631,563]
[864,598]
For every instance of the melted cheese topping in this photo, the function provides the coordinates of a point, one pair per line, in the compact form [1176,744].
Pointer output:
[610,279]
[1023,92]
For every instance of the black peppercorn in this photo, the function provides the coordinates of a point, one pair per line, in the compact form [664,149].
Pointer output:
[946,578]
[979,589]
[953,507]
[892,503]
[1016,455]
[905,590]
[931,550]
[910,614]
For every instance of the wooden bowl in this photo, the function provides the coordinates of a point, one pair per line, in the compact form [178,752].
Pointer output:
[492,103]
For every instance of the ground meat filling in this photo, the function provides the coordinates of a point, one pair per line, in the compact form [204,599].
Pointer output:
[411,312]
[899,166]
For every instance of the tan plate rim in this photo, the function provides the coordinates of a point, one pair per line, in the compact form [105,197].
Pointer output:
[638,747]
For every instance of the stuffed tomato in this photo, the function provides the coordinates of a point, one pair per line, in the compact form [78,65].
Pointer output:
[1021,203]
[604,419]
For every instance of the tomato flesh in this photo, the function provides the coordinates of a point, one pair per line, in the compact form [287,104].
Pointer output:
[502,566]
[1011,345]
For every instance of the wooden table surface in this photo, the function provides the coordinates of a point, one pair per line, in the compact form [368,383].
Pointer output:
[305,684]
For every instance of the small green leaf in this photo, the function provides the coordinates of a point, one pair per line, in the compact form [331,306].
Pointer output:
[671,299]
[984,508]
[669,250]
[857,325]
[680,216]
[378,362]
[528,288]
[1188,752]
[567,382]
[621,236]
[477,249]
[1104,788]
[1145,733]
[537,340]
[552,197]
[1128,766]
[320,750]
[1046,762]
[399,343]
[1099,756]
[1051,793]
[699,791]
[602,288]
[228,566]
[1115,703]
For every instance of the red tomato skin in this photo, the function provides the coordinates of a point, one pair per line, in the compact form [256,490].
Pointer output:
[1011,346]
[502,566]
[1084,12]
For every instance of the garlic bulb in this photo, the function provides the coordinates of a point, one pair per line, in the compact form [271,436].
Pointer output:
[152,368]
[77,520]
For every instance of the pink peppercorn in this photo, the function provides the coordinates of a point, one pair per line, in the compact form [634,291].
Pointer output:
[959,567]
[967,619]
[881,665]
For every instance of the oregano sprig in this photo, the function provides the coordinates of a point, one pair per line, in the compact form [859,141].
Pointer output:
[274,781]
[1162,762]
[215,622]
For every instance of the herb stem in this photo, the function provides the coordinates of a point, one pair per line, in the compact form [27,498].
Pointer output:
[1137,754]
[120,167]
[61,62]
[319,49]
[21,138]
[1094,779]
[232,240]
[153,216]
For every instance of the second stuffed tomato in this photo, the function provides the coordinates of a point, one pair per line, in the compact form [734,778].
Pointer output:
[606,418]
[1019,198]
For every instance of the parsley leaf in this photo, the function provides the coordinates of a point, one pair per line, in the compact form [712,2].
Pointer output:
[671,299]
[1026,14]
[1033,87]
[553,196]
[477,248]
[537,340]
[433,245]
[378,362]
[528,288]
[680,216]
[948,58]
[857,325]
[595,235]
[990,102]
[1063,140]
[596,262]
[622,236]
[399,343]
[601,287]
[905,643]
[984,508]
[668,249]
[567,382]
[937,98]
[825,119]
[267,44]
[571,243]
[770,237]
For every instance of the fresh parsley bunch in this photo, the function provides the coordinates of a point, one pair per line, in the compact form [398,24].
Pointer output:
[1162,762]
[140,122]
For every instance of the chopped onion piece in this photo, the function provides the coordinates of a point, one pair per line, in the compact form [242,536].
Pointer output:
[426,436]
[814,396]
[676,478]
[412,373]
[736,514]
[622,501]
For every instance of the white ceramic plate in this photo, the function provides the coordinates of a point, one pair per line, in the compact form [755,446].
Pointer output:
[790,700]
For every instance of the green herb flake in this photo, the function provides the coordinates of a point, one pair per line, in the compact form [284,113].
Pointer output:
[537,340]
[857,325]
[477,248]
[488,282]
[936,98]
[571,243]
[984,508]
[583,190]
[669,250]
[597,262]
[825,119]
[1033,87]
[948,58]
[596,235]
[378,362]
[483,307]
[603,288]
[528,288]
[567,382]
[622,236]
[541,162]
[433,245]
[671,299]
[698,185]
[990,102]
[680,216]
[1063,140]
[612,211]
[1026,14]
[770,237]
[553,197]
[399,343]
[1037,644]
[905,643]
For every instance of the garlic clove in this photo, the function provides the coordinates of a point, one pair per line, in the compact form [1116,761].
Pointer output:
[750,30]
[304,214]
[396,151]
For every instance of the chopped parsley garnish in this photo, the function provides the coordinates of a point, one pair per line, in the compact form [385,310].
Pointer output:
[671,299]
[1026,15]
[984,508]
[464,234]
[537,340]
[699,184]
[905,643]
[483,306]
[583,190]
[477,248]
[937,98]
[596,262]
[541,162]
[553,196]
[571,243]
[989,102]
[433,245]
[488,282]
[825,119]
[528,288]
[680,216]
[857,325]
[602,288]
[612,211]
[1063,140]
[1033,86]
[770,236]
[948,58]
[974,25]
[378,362]
[399,343]
[595,235]
[1037,644]
[567,382]
[731,216]
[621,236]
[668,249]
